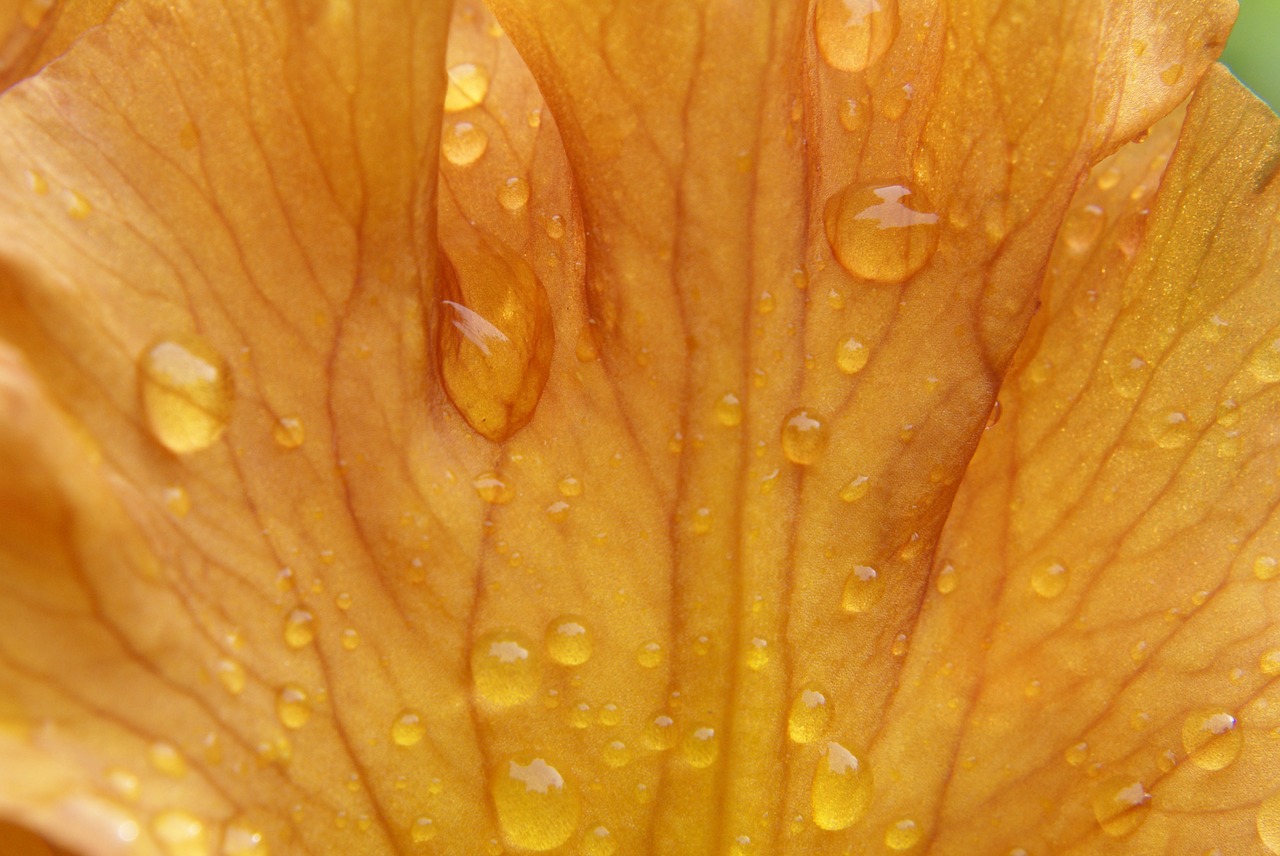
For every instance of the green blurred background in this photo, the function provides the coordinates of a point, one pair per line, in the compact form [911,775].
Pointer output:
[1253,52]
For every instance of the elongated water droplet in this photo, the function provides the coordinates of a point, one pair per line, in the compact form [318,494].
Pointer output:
[408,729]
[854,34]
[504,668]
[851,356]
[947,579]
[537,808]
[884,233]
[810,715]
[649,655]
[568,641]
[1120,805]
[299,628]
[842,788]
[863,589]
[168,760]
[494,340]
[804,436]
[493,489]
[729,410]
[468,85]
[1211,738]
[700,746]
[292,706]
[855,489]
[186,393]
[463,143]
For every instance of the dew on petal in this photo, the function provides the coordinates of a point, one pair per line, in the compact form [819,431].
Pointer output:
[700,746]
[504,669]
[902,834]
[293,708]
[513,193]
[616,754]
[804,436]
[809,716]
[408,729]
[231,675]
[1211,738]
[1266,567]
[491,488]
[855,489]
[289,432]
[299,628]
[947,579]
[729,410]
[598,841]
[853,35]
[1264,362]
[883,233]
[1268,823]
[841,790]
[244,839]
[166,759]
[649,655]
[422,830]
[660,732]
[863,589]
[468,86]
[569,641]
[180,833]
[186,393]
[537,808]
[851,355]
[1120,805]
[1049,579]
[463,143]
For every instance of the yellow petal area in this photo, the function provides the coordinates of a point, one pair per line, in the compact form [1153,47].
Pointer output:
[527,517]
[1100,676]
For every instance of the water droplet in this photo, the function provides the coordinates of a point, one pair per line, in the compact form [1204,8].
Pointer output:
[537,808]
[292,706]
[38,183]
[1171,429]
[1082,227]
[78,205]
[851,355]
[1211,738]
[1120,805]
[876,235]
[350,639]
[701,523]
[610,715]
[492,489]
[599,842]
[616,754]
[123,783]
[513,193]
[568,641]
[660,732]
[289,432]
[700,746]
[854,34]
[503,668]
[842,787]
[1076,754]
[649,655]
[729,410]
[902,835]
[1264,362]
[186,393]
[177,500]
[231,675]
[494,338]
[1269,822]
[166,759]
[555,227]
[1049,578]
[1266,568]
[422,830]
[1129,375]
[863,589]
[804,436]
[244,839]
[766,304]
[580,715]
[810,715]
[463,143]
[855,489]
[181,833]
[299,628]
[1171,74]
[1269,663]
[993,418]
[408,729]
[947,579]
[468,85]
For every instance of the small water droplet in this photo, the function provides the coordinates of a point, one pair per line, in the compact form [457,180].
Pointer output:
[468,85]
[729,410]
[1129,374]
[902,834]
[616,754]
[1171,74]
[78,205]
[842,788]
[537,808]
[855,489]
[1049,578]
[513,193]
[1082,227]
[463,143]
[166,759]
[804,436]
[292,706]
[863,589]
[660,732]
[186,393]
[491,488]
[1266,567]
[599,842]
[1076,754]
[1120,805]
[350,639]
[1211,738]
[1269,662]
[504,668]
[1264,362]
[231,675]
[242,838]
[569,641]
[299,628]
[876,235]
[1171,429]
[181,833]
[947,579]
[649,655]
[700,748]
[854,34]
[757,655]
[289,432]
[810,714]
[422,830]
[851,356]
[1268,823]
[408,729]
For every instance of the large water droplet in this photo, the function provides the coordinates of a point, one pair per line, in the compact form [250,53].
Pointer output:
[537,808]
[186,393]
[649,655]
[568,641]
[181,833]
[463,143]
[854,34]
[660,732]
[468,85]
[1211,738]
[423,830]
[851,356]
[842,788]
[513,193]
[1120,805]
[494,340]
[884,233]
[863,589]
[810,715]
[1049,578]
[504,668]
[408,729]
[299,628]
[804,436]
